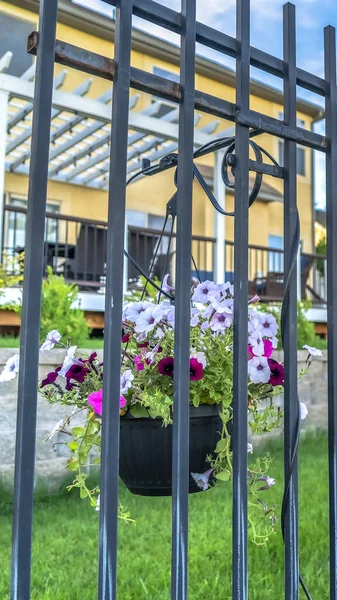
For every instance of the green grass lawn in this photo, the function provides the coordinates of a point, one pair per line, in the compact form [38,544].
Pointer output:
[65,542]
[14,342]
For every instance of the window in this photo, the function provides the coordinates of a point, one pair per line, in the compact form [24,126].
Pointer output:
[16,224]
[300,154]
[275,259]
[14,35]
[167,106]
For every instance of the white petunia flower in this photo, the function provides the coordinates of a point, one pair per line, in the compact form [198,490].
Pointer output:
[250,448]
[98,503]
[134,309]
[11,369]
[59,425]
[256,342]
[69,361]
[53,337]
[313,351]
[126,381]
[304,411]
[258,369]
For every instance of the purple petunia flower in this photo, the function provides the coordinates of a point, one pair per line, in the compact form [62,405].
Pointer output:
[268,325]
[166,366]
[221,321]
[276,372]
[51,377]
[165,286]
[205,292]
[77,372]
[196,370]
[201,479]
[148,319]
[258,369]
[52,338]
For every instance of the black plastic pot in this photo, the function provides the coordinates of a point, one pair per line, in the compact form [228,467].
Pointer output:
[146,450]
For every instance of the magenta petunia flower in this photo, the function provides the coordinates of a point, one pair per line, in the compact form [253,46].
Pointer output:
[166,366]
[277,372]
[96,400]
[92,357]
[268,348]
[196,370]
[125,336]
[138,360]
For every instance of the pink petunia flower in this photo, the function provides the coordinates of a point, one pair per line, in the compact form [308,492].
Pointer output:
[196,370]
[96,400]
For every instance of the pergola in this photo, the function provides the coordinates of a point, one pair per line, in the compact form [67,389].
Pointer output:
[80,137]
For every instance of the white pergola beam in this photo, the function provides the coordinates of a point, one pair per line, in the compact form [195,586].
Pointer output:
[150,110]
[20,115]
[81,90]
[93,109]
[5,61]
[76,139]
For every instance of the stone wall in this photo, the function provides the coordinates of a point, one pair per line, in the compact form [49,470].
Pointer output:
[50,459]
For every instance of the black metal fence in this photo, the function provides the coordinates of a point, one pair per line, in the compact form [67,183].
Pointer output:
[124,76]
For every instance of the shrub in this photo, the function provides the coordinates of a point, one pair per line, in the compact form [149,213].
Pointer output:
[57,312]
[321,249]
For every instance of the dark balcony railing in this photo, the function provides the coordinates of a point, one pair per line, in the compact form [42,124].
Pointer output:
[76,248]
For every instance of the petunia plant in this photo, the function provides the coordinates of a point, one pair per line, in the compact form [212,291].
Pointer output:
[146,386]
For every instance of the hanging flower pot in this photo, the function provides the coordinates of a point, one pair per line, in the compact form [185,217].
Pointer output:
[146,451]
[147,389]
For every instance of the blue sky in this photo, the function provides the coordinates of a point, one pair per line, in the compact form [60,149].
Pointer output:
[266,34]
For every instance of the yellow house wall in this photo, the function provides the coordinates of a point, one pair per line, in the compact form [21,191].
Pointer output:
[151,195]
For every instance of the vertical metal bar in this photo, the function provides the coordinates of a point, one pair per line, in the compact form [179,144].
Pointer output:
[180,456]
[114,304]
[299,281]
[219,225]
[4,97]
[331,208]
[240,370]
[30,319]
[290,326]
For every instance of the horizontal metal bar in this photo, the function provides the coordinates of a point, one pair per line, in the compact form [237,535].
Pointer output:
[266,169]
[93,63]
[212,38]
[273,126]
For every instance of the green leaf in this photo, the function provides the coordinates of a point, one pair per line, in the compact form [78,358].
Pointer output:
[73,445]
[78,431]
[138,411]
[83,493]
[97,461]
[221,445]
[196,400]
[223,476]
[72,465]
